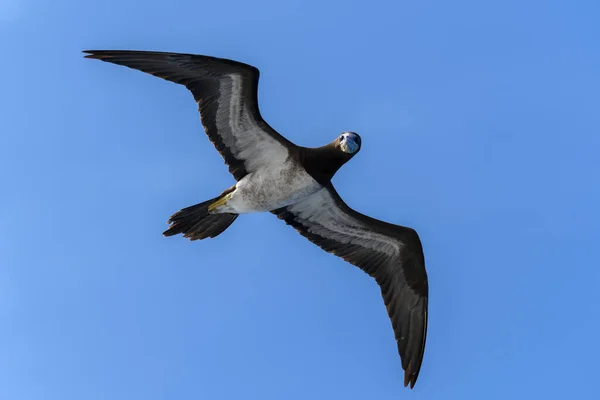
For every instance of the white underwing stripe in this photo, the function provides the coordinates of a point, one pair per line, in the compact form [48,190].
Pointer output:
[320,214]
[240,133]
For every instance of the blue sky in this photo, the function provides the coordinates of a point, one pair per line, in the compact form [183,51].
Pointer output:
[480,129]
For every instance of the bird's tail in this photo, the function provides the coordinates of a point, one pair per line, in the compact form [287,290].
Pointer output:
[196,223]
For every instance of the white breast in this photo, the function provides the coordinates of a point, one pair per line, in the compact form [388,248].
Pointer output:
[271,188]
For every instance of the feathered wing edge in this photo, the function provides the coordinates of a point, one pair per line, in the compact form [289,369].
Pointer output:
[227,95]
[391,254]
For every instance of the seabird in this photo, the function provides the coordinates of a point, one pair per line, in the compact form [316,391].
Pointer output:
[293,182]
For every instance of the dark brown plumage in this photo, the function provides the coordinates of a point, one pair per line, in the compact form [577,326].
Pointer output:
[226,93]
[322,162]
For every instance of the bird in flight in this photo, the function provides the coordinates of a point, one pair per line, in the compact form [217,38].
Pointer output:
[293,182]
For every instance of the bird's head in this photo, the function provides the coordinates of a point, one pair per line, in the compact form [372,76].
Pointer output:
[349,143]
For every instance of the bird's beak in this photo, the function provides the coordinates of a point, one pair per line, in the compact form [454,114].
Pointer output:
[349,144]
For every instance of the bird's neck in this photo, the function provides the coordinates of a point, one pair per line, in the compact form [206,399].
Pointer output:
[323,162]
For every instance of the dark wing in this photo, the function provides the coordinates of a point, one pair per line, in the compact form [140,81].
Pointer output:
[389,253]
[227,95]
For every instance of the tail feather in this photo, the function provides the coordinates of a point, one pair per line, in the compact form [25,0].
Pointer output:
[196,223]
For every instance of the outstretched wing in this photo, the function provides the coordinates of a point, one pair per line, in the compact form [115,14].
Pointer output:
[391,254]
[227,95]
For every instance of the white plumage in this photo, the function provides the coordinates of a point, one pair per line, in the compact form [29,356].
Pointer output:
[269,188]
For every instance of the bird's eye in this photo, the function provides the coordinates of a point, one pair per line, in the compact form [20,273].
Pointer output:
[342,137]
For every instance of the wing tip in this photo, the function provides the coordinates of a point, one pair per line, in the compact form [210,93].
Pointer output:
[110,55]
[106,54]
[410,378]
[95,54]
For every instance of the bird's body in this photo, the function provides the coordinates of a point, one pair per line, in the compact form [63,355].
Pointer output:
[270,188]
[294,183]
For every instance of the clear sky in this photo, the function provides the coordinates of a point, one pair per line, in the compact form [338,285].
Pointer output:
[480,129]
